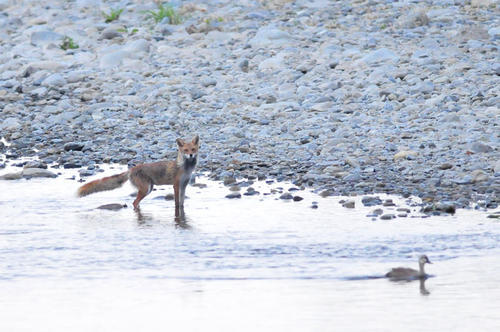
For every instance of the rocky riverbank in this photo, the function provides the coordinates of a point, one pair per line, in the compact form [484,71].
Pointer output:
[351,97]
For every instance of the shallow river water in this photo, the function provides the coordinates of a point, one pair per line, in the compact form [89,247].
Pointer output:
[251,264]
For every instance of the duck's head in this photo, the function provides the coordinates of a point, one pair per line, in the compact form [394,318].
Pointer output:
[423,259]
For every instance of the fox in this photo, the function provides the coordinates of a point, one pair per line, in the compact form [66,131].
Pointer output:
[145,176]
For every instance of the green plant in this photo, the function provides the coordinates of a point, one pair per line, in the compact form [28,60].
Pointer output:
[125,30]
[68,44]
[113,15]
[217,19]
[165,11]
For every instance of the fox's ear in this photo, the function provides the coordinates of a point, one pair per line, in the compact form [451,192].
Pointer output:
[180,142]
[196,140]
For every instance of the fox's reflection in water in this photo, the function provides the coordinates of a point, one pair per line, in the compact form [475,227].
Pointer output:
[180,218]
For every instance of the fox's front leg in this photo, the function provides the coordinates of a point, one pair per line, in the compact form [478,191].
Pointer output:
[176,193]
[182,189]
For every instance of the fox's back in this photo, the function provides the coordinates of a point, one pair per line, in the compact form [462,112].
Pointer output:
[160,172]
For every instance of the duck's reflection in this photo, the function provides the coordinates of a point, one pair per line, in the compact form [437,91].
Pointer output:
[423,289]
[180,218]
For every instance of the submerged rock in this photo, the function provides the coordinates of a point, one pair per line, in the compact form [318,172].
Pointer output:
[112,207]
[29,173]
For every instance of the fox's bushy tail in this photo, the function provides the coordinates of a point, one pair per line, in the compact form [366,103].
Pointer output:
[107,183]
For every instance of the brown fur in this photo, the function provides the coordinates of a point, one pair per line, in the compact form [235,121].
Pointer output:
[145,176]
[107,183]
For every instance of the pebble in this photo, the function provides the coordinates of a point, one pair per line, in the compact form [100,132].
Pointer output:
[387,216]
[112,207]
[371,201]
[110,33]
[349,204]
[233,195]
[286,196]
[73,146]
[479,147]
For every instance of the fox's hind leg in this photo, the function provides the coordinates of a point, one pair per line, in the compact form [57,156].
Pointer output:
[144,187]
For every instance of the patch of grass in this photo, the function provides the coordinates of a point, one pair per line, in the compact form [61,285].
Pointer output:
[113,15]
[68,44]
[125,30]
[217,19]
[165,11]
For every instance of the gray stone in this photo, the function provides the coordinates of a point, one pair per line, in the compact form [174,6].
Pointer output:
[415,18]
[349,204]
[371,200]
[286,196]
[244,65]
[12,176]
[35,164]
[387,216]
[209,82]
[110,33]
[479,147]
[73,146]
[112,207]
[233,195]
[445,166]
[37,173]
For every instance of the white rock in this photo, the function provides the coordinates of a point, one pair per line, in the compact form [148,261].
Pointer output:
[54,80]
[269,36]
[494,32]
[45,37]
[10,124]
[77,76]
[405,154]
[137,46]
[479,176]
[496,167]
[380,55]
[482,3]
[113,59]
[52,66]
[4,4]
[274,63]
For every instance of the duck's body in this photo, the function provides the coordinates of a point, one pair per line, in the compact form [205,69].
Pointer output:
[407,273]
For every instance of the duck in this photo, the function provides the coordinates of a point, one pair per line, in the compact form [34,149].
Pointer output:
[405,273]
